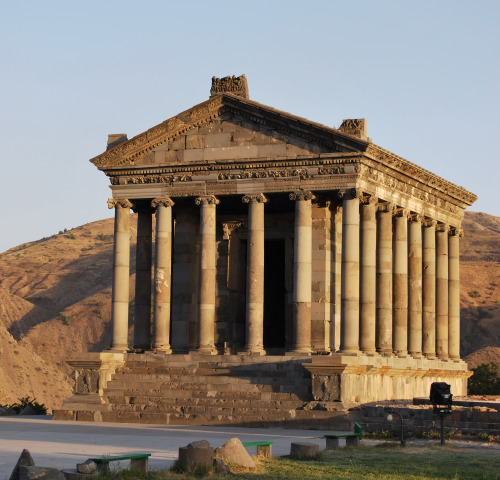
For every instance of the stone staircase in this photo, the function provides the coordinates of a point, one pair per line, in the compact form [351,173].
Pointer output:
[267,391]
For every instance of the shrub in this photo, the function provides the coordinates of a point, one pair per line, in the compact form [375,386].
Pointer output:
[485,380]
[22,403]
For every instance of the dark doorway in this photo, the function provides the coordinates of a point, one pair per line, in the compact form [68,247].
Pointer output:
[274,294]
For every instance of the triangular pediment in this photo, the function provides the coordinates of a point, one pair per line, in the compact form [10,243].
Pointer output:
[226,128]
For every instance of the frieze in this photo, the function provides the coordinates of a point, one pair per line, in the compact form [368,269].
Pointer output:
[141,179]
[302,173]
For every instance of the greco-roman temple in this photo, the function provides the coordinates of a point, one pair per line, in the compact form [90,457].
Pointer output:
[280,264]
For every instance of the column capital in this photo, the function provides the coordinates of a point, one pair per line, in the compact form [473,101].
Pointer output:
[122,202]
[386,207]
[456,232]
[301,196]
[401,212]
[207,200]
[259,198]
[368,200]
[416,218]
[429,222]
[442,227]
[350,194]
[163,201]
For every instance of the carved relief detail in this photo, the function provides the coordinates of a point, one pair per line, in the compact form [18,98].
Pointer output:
[229,227]
[235,85]
[141,179]
[121,202]
[350,194]
[416,218]
[301,196]
[298,172]
[456,232]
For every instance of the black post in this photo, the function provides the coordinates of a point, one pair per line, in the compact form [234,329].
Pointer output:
[441,416]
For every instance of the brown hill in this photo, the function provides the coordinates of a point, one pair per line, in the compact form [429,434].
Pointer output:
[55,297]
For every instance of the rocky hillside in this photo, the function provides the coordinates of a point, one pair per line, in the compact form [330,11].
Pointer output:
[55,297]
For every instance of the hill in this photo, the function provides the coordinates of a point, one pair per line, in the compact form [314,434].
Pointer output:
[55,299]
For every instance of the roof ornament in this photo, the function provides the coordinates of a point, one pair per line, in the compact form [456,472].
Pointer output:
[355,126]
[235,85]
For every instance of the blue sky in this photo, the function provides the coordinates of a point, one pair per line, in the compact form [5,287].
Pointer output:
[425,74]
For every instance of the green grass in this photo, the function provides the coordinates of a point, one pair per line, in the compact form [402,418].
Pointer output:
[385,462]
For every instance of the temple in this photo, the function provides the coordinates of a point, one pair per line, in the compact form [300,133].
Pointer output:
[268,242]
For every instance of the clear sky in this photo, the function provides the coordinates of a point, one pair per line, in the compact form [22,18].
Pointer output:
[425,74]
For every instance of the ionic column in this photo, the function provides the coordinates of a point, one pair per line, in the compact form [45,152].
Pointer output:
[400,285]
[302,257]
[121,272]
[163,273]
[142,310]
[442,291]
[207,278]
[429,289]
[415,286]
[384,279]
[255,274]
[368,272]
[454,293]
[349,334]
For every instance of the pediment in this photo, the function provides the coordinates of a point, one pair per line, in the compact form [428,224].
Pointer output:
[227,128]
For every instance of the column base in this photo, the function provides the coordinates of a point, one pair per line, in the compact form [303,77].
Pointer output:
[118,349]
[252,352]
[163,349]
[416,354]
[430,356]
[207,350]
[401,353]
[350,353]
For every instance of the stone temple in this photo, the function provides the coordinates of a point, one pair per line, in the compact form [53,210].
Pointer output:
[280,264]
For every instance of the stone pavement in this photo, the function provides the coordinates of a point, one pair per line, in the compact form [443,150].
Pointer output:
[62,444]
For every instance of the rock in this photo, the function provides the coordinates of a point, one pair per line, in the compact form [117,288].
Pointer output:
[199,444]
[220,466]
[4,412]
[40,473]
[88,466]
[304,450]
[28,411]
[24,460]
[190,458]
[74,475]
[234,453]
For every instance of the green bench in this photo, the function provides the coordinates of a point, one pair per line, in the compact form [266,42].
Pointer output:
[351,439]
[138,461]
[263,448]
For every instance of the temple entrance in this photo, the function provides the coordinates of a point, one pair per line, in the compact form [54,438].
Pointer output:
[274,294]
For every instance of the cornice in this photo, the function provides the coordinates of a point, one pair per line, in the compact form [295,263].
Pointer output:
[420,174]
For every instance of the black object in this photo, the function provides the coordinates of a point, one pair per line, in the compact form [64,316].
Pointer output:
[441,399]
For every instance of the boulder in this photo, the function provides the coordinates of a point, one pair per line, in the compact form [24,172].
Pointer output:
[234,453]
[40,473]
[89,466]
[192,457]
[75,475]
[28,411]
[304,450]
[220,466]
[4,412]
[24,460]
[199,444]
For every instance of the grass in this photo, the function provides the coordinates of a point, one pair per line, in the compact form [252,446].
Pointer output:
[385,462]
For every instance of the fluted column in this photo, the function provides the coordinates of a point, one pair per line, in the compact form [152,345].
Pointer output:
[400,285]
[143,267]
[349,334]
[255,275]
[368,272]
[454,293]
[415,286]
[121,273]
[207,283]
[429,289]
[442,291]
[302,257]
[163,273]
[384,279]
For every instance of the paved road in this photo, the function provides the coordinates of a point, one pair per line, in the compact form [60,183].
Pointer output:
[63,444]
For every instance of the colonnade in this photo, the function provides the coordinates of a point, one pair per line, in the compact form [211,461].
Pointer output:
[399,278]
